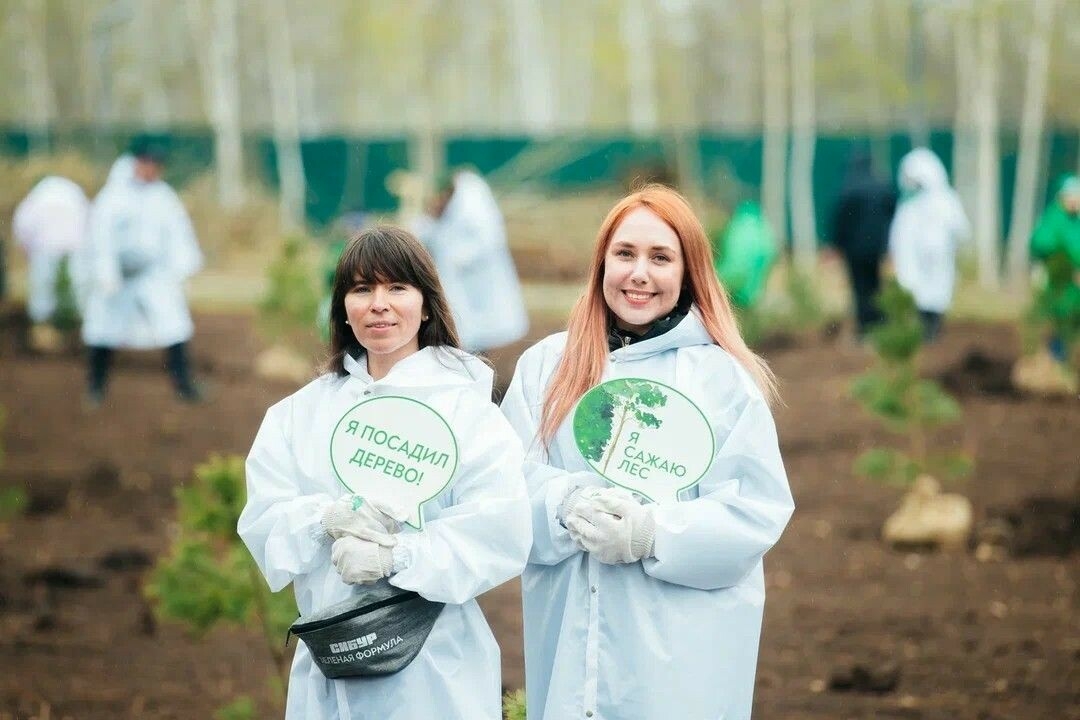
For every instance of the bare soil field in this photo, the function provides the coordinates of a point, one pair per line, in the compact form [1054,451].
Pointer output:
[852,629]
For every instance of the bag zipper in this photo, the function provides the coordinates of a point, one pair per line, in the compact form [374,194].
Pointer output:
[357,612]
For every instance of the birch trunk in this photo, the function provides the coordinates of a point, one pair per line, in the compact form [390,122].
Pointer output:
[988,158]
[143,35]
[477,48]
[536,89]
[875,114]
[425,147]
[964,145]
[281,67]
[1031,141]
[804,225]
[774,144]
[219,71]
[640,68]
[30,24]
[577,68]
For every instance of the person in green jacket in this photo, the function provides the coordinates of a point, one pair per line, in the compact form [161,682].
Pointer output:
[1056,244]
[744,253]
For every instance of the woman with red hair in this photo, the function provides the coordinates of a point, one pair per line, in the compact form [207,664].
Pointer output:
[635,608]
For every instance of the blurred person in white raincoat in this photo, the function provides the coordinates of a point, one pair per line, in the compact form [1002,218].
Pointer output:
[392,334]
[647,610]
[467,237]
[141,250]
[50,225]
[925,234]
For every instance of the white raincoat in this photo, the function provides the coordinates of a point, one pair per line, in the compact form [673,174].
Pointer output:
[146,220]
[475,266]
[676,635]
[476,535]
[926,231]
[49,224]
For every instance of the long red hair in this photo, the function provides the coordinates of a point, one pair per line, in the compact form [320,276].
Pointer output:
[585,356]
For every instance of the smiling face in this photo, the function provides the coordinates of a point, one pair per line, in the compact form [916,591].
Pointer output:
[385,317]
[643,270]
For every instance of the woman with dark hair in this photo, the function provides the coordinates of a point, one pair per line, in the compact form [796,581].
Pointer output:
[392,339]
[650,610]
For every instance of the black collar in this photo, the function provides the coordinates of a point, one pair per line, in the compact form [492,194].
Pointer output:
[618,338]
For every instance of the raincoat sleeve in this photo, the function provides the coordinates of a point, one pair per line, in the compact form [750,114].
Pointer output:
[24,223]
[280,523]
[185,259]
[716,539]
[102,269]
[482,539]
[547,485]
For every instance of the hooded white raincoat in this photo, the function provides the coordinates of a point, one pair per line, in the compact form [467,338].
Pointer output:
[476,536]
[49,224]
[926,231]
[477,272]
[145,221]
[676,635]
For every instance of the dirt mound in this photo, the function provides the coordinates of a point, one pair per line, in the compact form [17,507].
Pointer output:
[978,373]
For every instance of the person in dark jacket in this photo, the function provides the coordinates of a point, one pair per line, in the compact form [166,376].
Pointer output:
[860,234]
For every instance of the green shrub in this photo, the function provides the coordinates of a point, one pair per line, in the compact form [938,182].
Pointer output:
[906,404]
[65,317]
[208,576]
[514,705]
[807,308]
[287,314]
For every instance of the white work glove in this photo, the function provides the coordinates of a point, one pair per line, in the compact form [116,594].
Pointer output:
[581,483]
[360,562]
[611,525]
[355,516]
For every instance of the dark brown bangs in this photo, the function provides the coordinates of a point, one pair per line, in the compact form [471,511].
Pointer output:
[379,259]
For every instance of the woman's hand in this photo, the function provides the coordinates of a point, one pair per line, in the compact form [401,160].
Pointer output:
[610,524]
[354,516]
[360,562]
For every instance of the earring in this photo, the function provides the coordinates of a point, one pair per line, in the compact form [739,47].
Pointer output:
[424,318]
[348,323]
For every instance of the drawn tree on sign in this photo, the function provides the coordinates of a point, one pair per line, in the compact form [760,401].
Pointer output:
[605,410]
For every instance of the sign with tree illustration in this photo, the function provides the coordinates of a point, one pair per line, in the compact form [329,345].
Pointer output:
[396,449]
[644,436]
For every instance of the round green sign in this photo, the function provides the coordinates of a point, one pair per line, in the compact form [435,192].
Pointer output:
[396,449]
[644,436]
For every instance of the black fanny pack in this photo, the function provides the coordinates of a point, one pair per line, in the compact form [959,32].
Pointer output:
[377,631]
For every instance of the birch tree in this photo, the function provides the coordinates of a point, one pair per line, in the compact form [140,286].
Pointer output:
[143,38]
[804,136]
[220,80]
[576,63]
[281,68]
[640,67]
[988,156]
[1031,136]
[774,142]
[535,83]
[964,143]
[28,22]
[864,36]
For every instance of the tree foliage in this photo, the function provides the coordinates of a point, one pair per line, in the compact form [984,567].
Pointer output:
[905,404]
[207,577]
[288,311]
[602,415]
[66,316]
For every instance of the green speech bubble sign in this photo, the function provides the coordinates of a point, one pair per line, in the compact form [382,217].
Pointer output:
[395,449]
[644,436]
